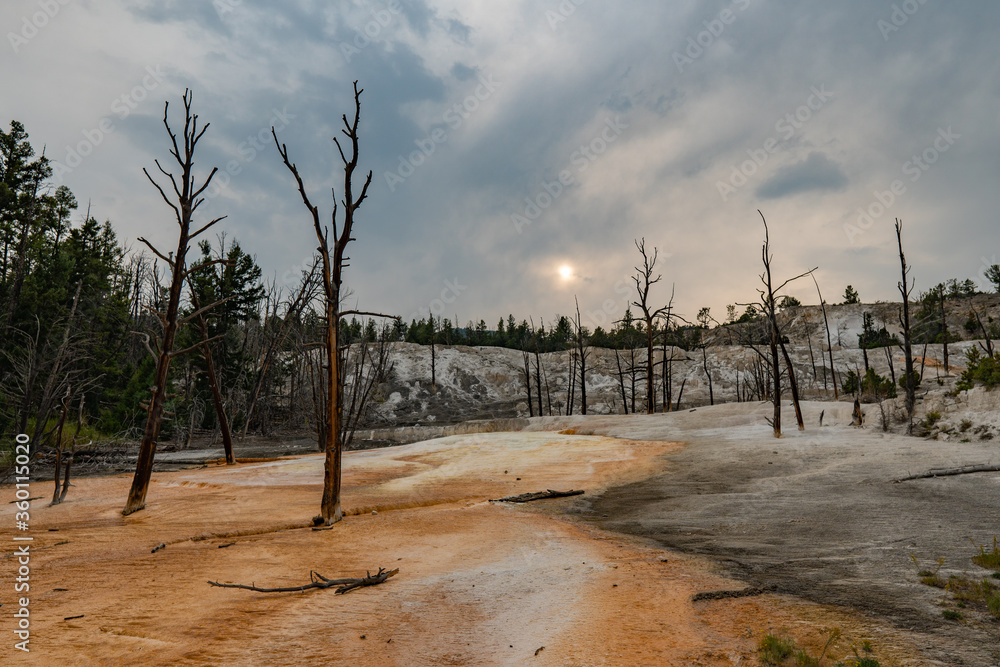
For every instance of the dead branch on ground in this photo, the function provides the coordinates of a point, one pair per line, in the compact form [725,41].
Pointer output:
[537,495]
[317,580]
[947,472]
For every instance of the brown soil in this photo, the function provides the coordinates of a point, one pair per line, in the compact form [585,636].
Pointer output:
[478,583]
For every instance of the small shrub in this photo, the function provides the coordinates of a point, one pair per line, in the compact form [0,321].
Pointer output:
[930,577]
[931,418]
[871,388]
[988,559]
[951,615]
[980,368]
[965,425]
[774,650]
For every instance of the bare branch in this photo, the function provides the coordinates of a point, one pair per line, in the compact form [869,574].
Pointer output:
[156,252]
[205,227]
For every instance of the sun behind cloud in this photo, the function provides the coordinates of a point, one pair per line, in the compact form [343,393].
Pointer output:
[565,272]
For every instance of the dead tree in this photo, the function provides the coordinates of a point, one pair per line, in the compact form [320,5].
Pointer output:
[621,381]
[526,358]
[829,343]
[333,264]
[988,347]
[704,362]
[433,329]
[582,353]
[768,297]
[213,381]
[59,378]
[59,444]
[293,310]
[905,287]
[188,199]
[538,366]
[944,328]
[643,281]
[365,365]
[72,449]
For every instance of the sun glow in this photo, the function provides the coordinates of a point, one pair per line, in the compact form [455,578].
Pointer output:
[565,272]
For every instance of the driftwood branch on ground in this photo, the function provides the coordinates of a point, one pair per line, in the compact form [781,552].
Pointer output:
[946,472]
[317,580]
[538,495]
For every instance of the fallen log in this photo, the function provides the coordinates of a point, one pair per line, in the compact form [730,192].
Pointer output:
[537,495]
[946,472]
[317,580]
[722,595]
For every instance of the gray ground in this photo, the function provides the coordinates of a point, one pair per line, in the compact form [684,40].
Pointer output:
[816,513]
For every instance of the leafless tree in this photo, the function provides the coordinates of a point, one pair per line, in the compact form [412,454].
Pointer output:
[275,338]
[582,353]
[366,365]
[768,297]
[333,263]
[644,280]
[829,343]
[188,199]
[213,381]
[905,287]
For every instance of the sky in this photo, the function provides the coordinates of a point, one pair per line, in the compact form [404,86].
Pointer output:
[519,148]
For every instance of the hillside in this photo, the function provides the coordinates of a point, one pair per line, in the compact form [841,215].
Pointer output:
[487,383]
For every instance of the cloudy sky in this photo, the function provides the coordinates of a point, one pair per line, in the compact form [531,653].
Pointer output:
[519,146]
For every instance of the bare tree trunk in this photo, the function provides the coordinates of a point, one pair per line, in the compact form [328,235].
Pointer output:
[570,395]
[59,445]
[527,380]
[220,410]
[51,383]
[944,332]
[621,382]
[704,361]
[905,288]
[332,268]
[538,371]
[643,281]
[581,346]
[829,344]
[769,300]
[812,360]
[188,200]
[794,386]
[72,451]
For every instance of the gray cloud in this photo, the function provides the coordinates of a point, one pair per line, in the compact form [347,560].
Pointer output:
[815,173]
[560,81]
